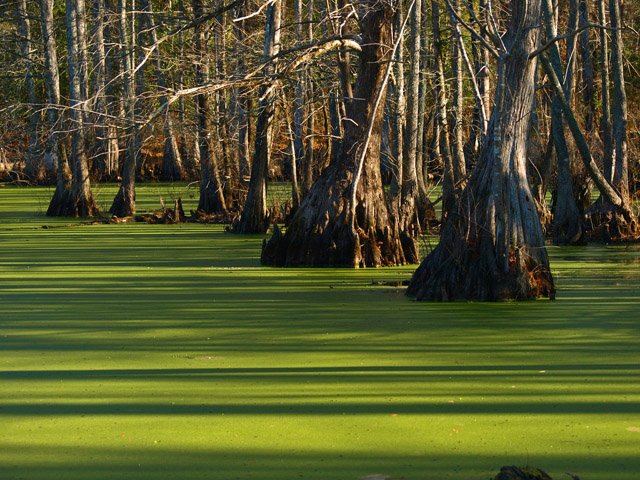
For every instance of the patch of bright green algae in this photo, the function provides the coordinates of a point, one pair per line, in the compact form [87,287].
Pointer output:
[151,352]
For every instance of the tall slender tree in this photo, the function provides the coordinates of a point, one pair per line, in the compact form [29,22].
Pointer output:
[80,201]
[124,203]
[254,214]
[211,193]
[567,227]
[55,153]
[27,51]
[171,159]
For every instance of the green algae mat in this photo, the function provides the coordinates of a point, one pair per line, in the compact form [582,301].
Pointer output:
[167,352]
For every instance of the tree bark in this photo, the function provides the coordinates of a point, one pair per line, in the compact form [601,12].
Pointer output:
[567,224]
[329,228]
[55,155]
[608,152]
[619,110]
[588,87]
[229,166]
[457,111]
[611,218]
[492,247]
[80,201]
[254,217]
[124,203]
[442,135]
[33,167]
[309,159]
[298,104]
[52,83]
[103,163]
[398,119]
[344,67]
[171,159]
[413,202]
[211,193]
[421,149]
[243,99]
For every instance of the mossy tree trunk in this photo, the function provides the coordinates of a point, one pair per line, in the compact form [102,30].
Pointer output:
[492,246]
[336,226]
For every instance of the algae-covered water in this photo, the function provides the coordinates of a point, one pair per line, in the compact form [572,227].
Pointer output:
[163,352]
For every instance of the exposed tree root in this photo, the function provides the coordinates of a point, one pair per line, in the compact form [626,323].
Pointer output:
[610,224]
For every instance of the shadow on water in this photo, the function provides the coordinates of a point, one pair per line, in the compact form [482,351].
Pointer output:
[156,352]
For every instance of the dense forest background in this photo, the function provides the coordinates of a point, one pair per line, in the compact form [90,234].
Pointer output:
[382,101]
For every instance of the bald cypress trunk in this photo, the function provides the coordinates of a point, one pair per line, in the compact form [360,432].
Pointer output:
[32,164]
[442,131]
[492,247]
[567,224]
[79,202]
[211,194]
[254,214]
[619,110]
[607,220]
[124,203]
[171,159]
[344,221]
[55,154]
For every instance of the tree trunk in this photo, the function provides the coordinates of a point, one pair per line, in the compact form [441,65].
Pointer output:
[478,128]
[344,66]
[421,150]
[55,155]
[102,164]
[228,165]
[124,203]
[243,97]
[254,217]
[299,103]
[569,81]
[80,201]
[413,202]
[607,220]
[611,218]
[32,165]
[309,160]
[52,83]
[343,221]
[492,247]
[567,228]
[608,152]
[211,194]
[171,160]
[588,88]
[457,111]
[442,135]
[619,111]
[398,120]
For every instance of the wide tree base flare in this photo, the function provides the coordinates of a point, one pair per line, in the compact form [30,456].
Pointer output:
[492,247]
